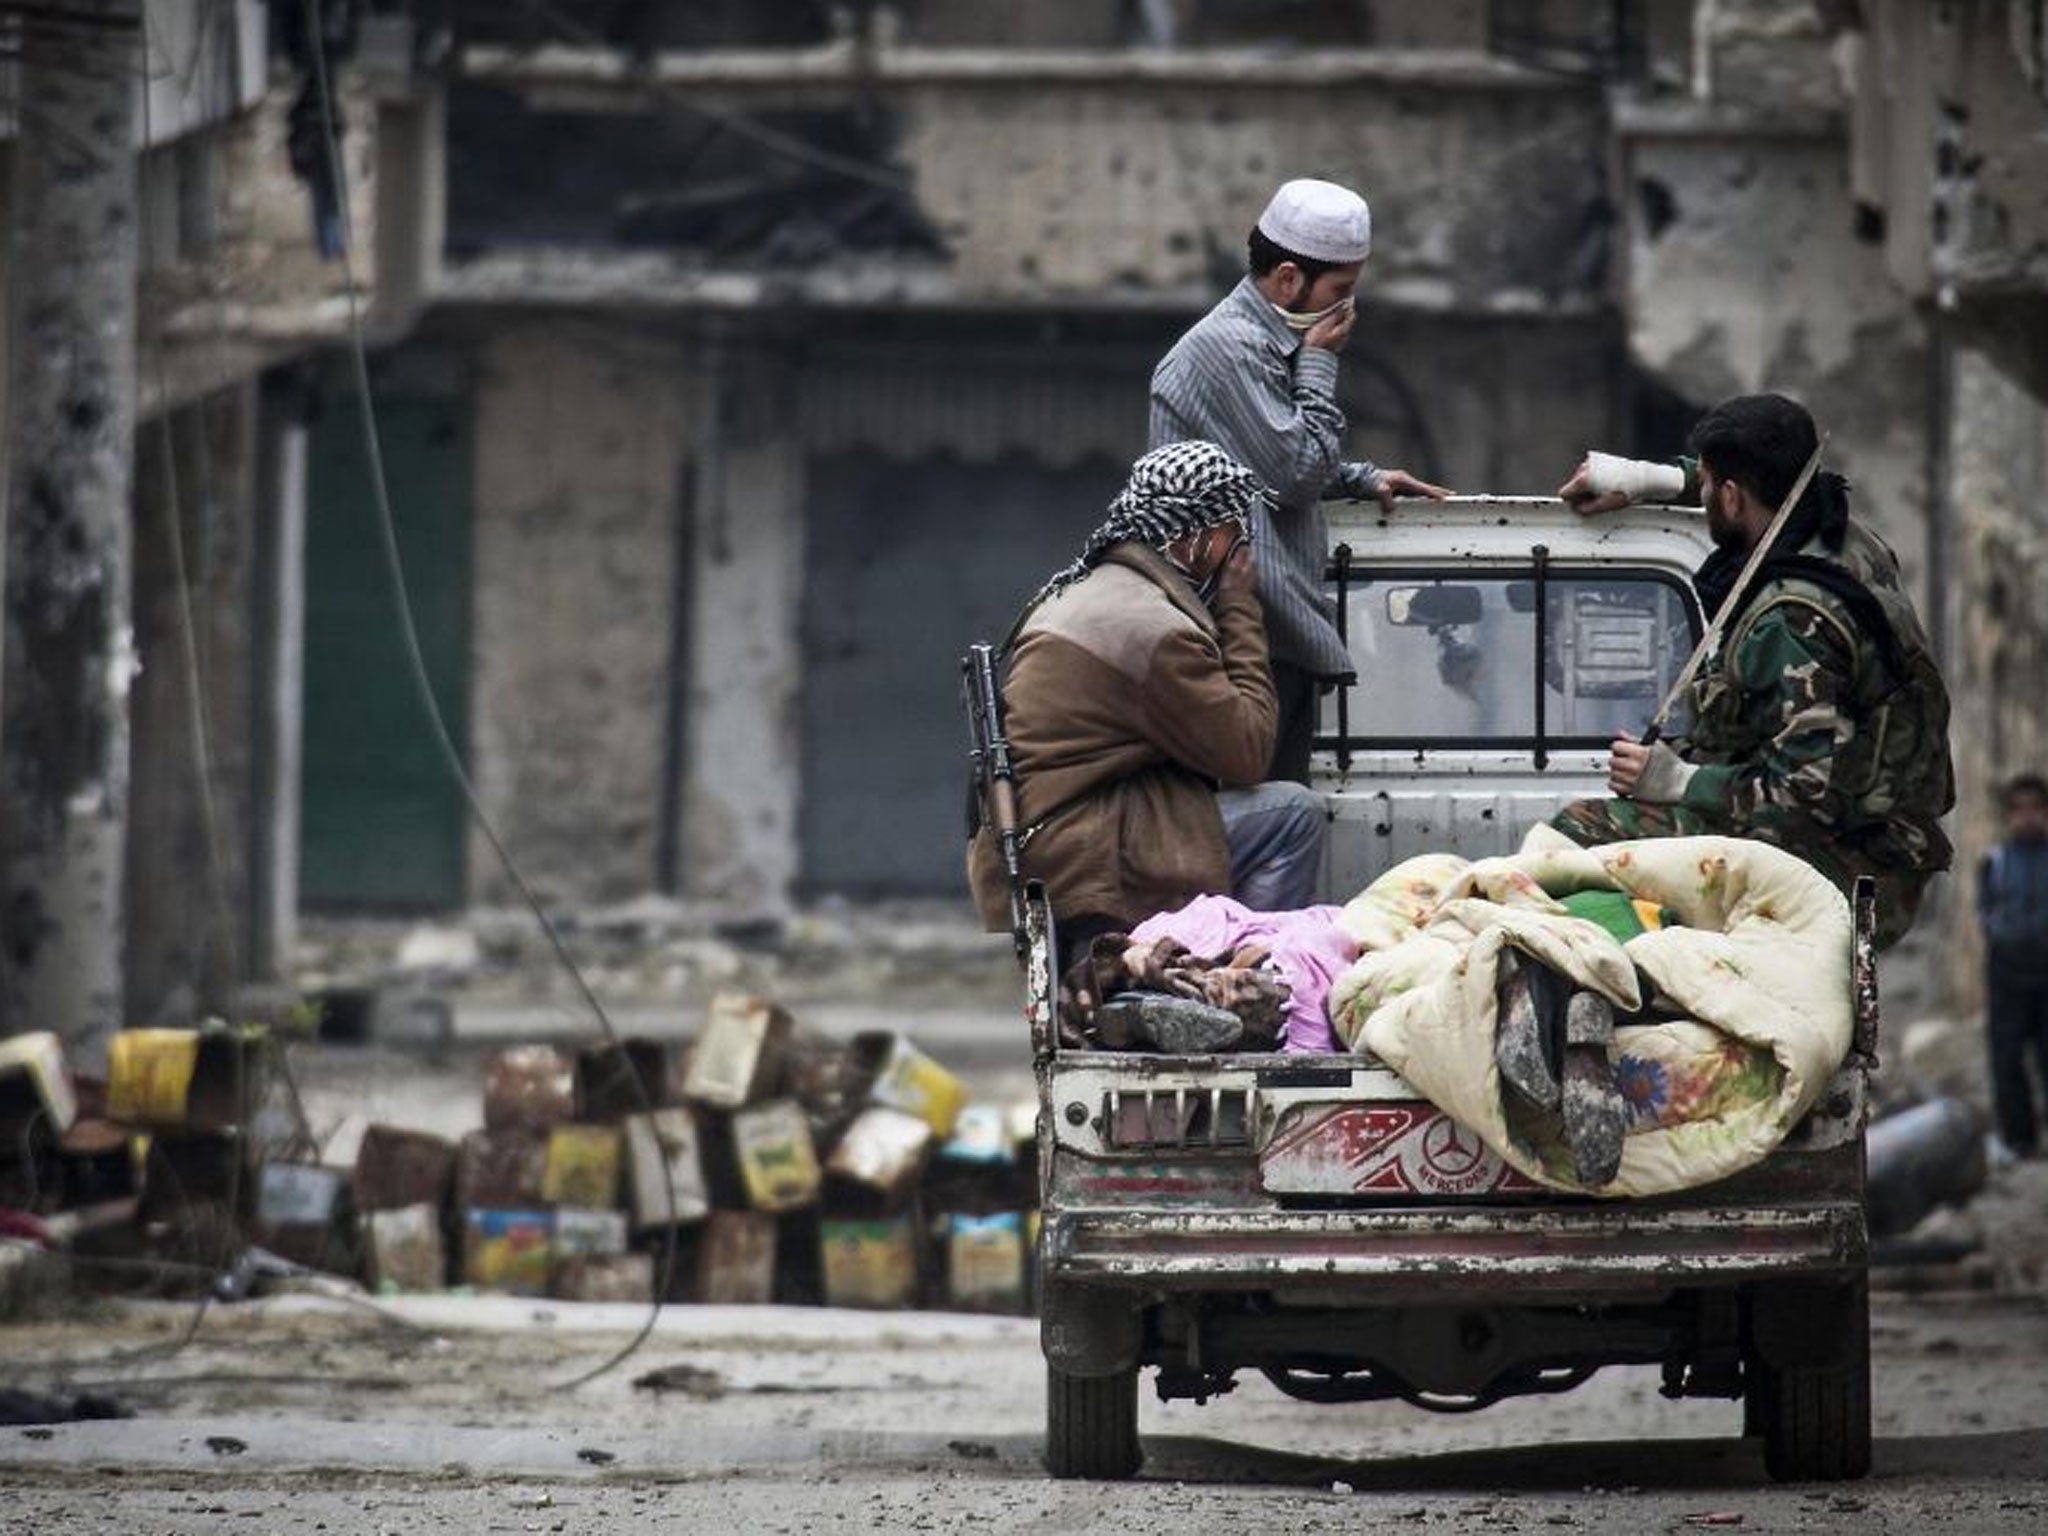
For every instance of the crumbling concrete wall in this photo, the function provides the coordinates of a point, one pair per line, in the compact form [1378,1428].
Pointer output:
[1101,178]
[623,567]
[258,290]
[1745,273]
[1947,114]
[1486,190]
[1948,120]
[1767,57]
[1092,24]
[1754,261]
[1991,153]
[738,840]
[2000,494]
[581,439]
[625,571]
[1089,199]
[1501,405]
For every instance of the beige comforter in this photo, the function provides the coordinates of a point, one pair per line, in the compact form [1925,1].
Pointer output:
[1750,998]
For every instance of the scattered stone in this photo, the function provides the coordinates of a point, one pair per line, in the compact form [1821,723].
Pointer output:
[226,1445]
[407,1017]
[595,1457]
[691,1380]
[1941,1055]
[438,951]
[35,1408]
[973,1450]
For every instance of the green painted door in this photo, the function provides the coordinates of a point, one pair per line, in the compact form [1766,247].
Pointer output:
[381,821]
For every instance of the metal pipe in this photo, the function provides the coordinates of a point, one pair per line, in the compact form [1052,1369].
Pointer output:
[1343,558]
[1927,1156]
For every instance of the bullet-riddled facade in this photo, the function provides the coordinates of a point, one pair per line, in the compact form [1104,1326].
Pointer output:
[737,509]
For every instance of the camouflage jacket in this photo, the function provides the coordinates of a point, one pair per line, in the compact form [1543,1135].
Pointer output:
[1806,735]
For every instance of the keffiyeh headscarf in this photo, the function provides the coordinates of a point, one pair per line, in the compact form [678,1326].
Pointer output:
[1173,491]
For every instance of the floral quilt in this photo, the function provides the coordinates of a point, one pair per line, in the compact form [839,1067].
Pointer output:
[1743,1003]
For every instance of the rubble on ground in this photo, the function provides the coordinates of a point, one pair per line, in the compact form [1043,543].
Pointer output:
[660,950]
[1946,1216]
[1934,1057]
[761,1162]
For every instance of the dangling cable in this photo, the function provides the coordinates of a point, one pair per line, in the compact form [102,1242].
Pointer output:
[387,533]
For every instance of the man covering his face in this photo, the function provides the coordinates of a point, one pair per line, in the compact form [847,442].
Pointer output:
[1137,687]
[1257,375]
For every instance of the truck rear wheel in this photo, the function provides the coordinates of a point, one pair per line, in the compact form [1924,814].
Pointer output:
[1091,1425]
[1815,1417]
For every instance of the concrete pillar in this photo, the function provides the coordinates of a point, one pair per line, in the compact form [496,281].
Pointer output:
[743,769]
[1998,672]
[179,931]
[69,647]
[412,202]
[279,665]
[191,708]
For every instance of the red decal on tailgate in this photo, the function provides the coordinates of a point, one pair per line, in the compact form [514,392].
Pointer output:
[1412,1149]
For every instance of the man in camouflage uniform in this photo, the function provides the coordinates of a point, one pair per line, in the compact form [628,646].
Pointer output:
[1820,724]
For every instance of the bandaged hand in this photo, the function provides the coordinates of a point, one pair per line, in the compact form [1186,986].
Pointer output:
[1606,481]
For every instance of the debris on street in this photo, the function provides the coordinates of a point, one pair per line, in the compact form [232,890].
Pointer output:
[1927,1156]
[762,1162]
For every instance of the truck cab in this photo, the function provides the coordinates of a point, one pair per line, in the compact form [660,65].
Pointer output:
[1311,1217]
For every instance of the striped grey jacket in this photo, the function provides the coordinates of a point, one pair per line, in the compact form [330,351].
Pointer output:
[1242,380]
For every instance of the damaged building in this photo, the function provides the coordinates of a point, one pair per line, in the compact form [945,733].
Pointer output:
[784,429]
[735,366]
[180,128]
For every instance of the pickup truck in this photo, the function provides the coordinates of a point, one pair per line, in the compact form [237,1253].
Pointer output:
[1311,1217]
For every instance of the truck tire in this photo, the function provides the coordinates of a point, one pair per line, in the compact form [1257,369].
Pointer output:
[1091,1425]
[1815,1418]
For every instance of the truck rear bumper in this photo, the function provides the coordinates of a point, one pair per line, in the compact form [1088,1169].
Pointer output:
[1576,1249]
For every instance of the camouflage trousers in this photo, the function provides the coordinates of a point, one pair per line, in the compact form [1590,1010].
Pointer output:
[1590,823]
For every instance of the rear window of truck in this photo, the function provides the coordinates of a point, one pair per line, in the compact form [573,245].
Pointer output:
[1505,657]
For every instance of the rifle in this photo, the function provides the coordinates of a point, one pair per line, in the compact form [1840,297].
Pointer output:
[1733,600]
[995,778]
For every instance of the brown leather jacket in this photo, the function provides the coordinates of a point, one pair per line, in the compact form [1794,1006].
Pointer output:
[1127,702]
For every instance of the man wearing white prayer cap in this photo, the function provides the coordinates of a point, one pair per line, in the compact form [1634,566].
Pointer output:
[1257,375]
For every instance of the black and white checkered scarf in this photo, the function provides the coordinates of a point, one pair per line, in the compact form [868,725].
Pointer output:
[1173,491]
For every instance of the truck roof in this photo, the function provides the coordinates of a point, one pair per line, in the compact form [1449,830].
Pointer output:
[1506,528]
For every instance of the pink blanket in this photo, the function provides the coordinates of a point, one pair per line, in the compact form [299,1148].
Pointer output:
[1308,947]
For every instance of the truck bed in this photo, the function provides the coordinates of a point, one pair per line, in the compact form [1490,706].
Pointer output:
[1266,1171]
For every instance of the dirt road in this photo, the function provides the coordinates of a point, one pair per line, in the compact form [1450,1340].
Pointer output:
[447,1413]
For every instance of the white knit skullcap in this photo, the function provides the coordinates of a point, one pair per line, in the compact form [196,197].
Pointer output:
[1319,220]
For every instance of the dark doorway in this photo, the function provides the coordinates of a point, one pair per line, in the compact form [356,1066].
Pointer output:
[382,821]
[908,564]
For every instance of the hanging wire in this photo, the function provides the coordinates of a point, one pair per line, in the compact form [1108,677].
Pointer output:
[387,535]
